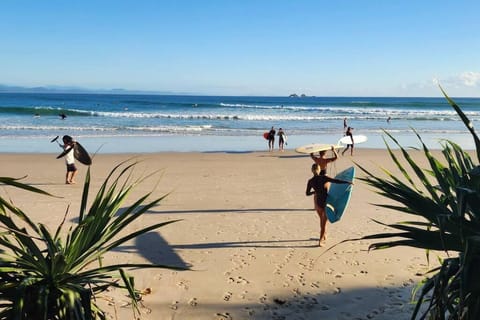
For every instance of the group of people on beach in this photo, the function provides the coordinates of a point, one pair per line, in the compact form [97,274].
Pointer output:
[282,139]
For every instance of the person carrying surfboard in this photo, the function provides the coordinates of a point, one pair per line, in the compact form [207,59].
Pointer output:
[282,139]
[318,186]
[323,161]
[68,145]
[350,145]
[271,139]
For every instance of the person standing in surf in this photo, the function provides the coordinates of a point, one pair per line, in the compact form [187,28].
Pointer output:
[350,145]
[271,139]
[323,161]
[68,145]
[318,186]
[282,138]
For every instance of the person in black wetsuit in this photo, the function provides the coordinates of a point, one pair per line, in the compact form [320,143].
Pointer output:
[349,133]
[282,137]
[271,139]
[318,186]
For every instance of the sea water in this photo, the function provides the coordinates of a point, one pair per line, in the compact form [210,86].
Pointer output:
[119,123]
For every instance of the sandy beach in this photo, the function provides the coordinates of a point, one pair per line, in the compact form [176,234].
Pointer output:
[248,233]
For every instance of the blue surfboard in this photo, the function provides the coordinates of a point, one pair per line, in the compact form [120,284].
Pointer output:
[339,195]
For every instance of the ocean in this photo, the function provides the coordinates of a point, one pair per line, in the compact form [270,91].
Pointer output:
[118,123]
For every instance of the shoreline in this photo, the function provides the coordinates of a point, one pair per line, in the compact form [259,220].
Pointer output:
[156,144]
[248,232]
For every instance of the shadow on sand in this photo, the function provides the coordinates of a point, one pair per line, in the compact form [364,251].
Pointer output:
[251,210]
[379,303]
[153,247]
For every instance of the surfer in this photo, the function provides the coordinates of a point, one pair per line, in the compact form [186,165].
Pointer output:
[319,183]
[323,161]
[271,139]
[62,116]
[345,124]
[68,144]
[282,139]
[350,145]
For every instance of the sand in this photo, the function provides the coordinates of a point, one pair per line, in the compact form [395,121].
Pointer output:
[248,233]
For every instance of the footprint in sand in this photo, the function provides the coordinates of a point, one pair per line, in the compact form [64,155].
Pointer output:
[263,299]
[249,311]
[193,302]
[243,295]
[242,280]
[182,285]
[223,316]
[174,305]
[301,279]
[227,296]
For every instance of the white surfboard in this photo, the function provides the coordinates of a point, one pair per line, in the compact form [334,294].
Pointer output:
[360,138]
[316,147]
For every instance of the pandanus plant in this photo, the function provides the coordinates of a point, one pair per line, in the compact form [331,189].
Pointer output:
[447,196]
[50,276]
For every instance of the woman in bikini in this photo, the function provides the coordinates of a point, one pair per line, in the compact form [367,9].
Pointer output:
[318,186]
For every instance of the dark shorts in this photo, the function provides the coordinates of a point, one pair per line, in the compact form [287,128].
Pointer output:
[71,167]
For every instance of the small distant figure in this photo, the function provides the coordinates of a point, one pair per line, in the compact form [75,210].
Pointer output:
[69,143]
[62,116]
[345,124]
[282,139]
[36,115]
[388,119]
[271,139]
[350,145]
[319,183]
[323,161]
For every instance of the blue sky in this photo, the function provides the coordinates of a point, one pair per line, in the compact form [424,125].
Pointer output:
[244,47]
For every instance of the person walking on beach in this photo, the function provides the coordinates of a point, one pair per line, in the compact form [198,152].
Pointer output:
[350,145]
[345,125]
[68,145]
[282,139]
[323,161]
[318,186]
[271,139]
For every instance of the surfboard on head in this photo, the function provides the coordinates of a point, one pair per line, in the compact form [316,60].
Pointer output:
[316,147]
[79,153]
[339,195]
[359,138]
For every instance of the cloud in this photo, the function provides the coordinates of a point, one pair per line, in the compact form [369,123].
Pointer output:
[470,78]
[465,79]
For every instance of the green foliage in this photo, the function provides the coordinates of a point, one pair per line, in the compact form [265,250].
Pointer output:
[447,196]
[45,276]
